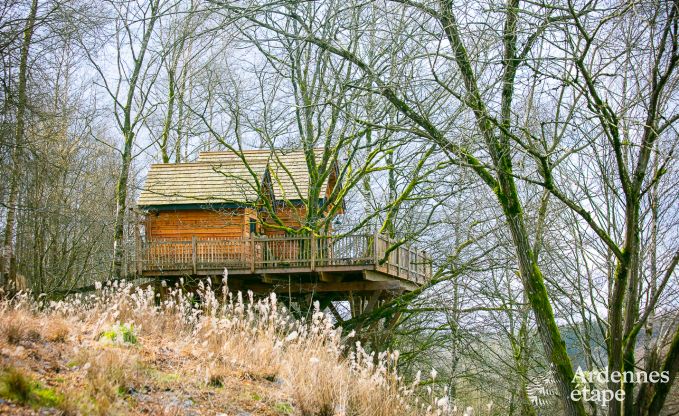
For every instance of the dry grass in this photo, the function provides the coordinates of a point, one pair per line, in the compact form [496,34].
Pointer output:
[18,326]
[109,375]
[56,330]
[231,354]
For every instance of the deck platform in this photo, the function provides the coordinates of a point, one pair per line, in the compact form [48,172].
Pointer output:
[356,263]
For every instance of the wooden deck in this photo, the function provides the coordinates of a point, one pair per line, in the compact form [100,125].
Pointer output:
[363,254]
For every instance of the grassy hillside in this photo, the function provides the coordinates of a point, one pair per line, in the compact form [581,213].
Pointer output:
[116,352]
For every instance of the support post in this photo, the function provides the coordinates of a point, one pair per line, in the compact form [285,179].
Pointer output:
[399,260]
[352,305]
[335,313]
[372,302]
[252,252]
[194,254]
[313,251]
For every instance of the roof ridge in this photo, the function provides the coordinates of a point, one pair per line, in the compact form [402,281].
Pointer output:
[199,162]
[255,151]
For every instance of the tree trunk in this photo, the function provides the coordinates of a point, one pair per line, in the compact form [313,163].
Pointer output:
[506,193]
[126,156]
[671,366]
[121,206]
[533,282]
[168,118]
[9,263]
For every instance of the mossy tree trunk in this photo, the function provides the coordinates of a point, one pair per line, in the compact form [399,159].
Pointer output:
[498,145]
[632,175]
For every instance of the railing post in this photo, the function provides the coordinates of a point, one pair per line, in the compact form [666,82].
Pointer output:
[427,265]
[194,254]
[431,266]
[313,251]
[252,252]
[376,248]
[414,266]
[399,261]
[409,262]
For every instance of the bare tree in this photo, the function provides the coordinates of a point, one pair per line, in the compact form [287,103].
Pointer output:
[630,121]
[8,274]
[129,94]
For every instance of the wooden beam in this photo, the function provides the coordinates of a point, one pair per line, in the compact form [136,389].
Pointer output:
[274,279]
[181,270]
[360,286]
[330,277]
[373,301]
[373,276]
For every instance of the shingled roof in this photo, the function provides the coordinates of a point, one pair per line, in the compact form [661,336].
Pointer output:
[224,177]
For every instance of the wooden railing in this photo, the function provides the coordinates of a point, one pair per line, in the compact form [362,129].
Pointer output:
[281,254]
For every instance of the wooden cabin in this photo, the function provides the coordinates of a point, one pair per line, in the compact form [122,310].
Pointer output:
[244,213]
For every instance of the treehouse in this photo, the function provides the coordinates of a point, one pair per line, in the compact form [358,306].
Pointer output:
[264,219]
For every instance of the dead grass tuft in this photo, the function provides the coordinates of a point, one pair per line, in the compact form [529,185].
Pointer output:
[18,326]
[109,375]
[56,331]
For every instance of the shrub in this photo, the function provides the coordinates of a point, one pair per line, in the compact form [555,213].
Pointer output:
[122,334]
[16,386]
[284,408]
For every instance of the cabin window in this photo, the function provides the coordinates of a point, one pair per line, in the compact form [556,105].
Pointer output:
[253,225]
